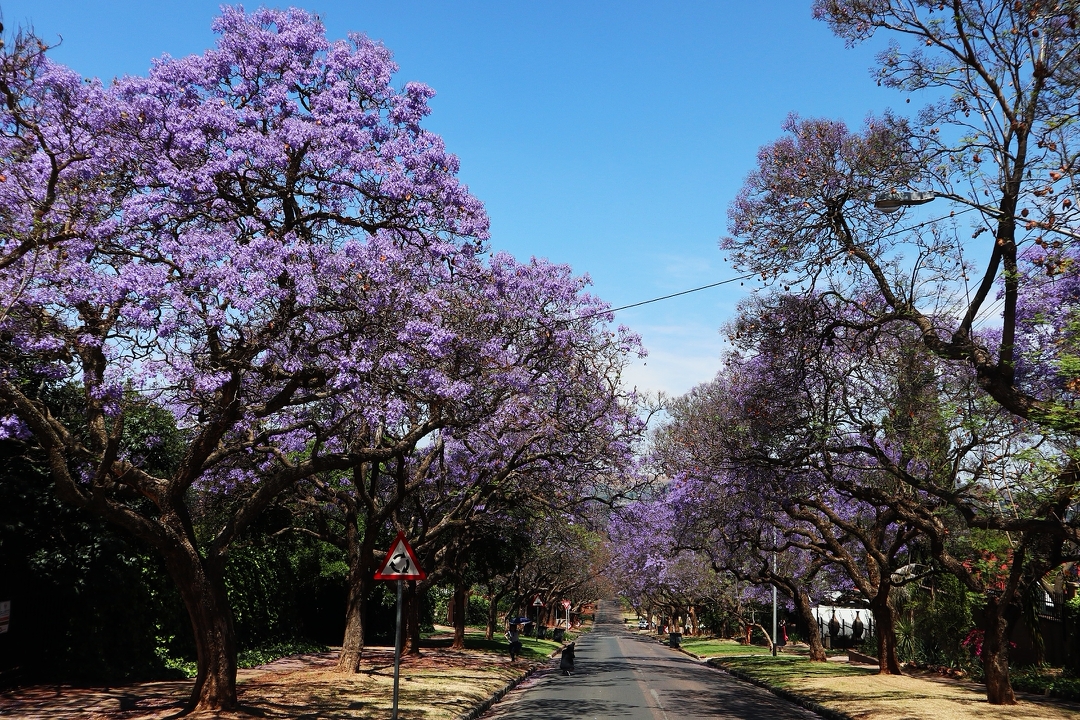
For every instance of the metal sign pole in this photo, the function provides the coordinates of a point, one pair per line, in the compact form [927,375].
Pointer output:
[397,648]
[399,564]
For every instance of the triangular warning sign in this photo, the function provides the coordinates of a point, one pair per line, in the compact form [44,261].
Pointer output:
[400,562]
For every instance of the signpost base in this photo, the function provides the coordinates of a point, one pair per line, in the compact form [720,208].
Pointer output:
[397,649]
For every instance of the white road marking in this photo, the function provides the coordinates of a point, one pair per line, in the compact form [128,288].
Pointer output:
[659,705]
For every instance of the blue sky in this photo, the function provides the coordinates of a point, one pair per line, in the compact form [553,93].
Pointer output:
[607,135]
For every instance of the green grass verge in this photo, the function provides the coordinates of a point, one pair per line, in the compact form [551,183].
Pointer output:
[783,671]
[715,647]
[531,649]
[252,657]
[269,653]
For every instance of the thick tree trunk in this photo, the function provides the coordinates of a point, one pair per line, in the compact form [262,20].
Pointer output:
[813,637]
[412,640]
[693,622]
[461,594]
[352,645]
[204,595]
[995,656]
[884,618]
[492,616]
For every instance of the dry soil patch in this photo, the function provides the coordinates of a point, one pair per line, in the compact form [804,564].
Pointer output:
[891,697]
[439,685]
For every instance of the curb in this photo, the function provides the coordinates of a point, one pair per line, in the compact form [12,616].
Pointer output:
[799,700]
[484,706]
[816,708]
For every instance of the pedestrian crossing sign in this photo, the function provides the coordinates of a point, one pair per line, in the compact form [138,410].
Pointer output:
[400,562]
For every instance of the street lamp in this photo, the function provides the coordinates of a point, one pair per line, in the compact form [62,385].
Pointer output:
[893,200]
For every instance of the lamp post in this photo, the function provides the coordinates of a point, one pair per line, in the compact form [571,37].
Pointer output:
[774,604]
[893,200]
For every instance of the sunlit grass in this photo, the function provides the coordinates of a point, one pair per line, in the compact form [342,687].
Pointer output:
[784,670]
[531,648]
[717,647]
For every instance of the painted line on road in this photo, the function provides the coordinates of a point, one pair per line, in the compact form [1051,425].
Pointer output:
[657,710]
[659,705]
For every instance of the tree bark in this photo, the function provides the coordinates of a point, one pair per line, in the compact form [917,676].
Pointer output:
[492,616]
[885,620]
[206,600]
[352,645]
[412,639]
[768,637]
[461,594]
[995,656]
[813,637]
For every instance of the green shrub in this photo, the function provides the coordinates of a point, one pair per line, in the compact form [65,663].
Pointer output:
[1045,681]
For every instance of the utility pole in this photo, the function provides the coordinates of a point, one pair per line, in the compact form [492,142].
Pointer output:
[774,594]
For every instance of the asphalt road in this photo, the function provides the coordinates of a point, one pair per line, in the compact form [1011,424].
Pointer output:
[622,675]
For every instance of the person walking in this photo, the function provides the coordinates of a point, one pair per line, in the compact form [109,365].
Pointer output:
[514,641]
[566,663]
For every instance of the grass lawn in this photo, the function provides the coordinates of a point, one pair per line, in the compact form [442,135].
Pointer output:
[788,672]
[531,648]
[716,647]
[861,693]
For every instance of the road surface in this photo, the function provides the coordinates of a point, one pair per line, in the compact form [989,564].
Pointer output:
[626,676]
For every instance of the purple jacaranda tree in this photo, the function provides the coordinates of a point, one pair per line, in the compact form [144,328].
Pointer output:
[58,178]
[913,439]
[658,572]
[998,140]
[1048,318]
[268,273]
[547,418]
[797,400]
[642,547]
[746,534]
[565,560]
[566,439]
[730,508]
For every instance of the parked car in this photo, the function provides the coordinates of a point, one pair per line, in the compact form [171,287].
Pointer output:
[642,624]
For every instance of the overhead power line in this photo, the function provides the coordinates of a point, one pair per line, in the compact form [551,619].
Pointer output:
[684,292]
[747,276]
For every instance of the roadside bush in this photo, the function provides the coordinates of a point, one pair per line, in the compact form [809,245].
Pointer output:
[87,602]
[476,610]
[1045,681]
[943,615]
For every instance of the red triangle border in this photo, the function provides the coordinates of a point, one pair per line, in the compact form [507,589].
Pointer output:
[381,573]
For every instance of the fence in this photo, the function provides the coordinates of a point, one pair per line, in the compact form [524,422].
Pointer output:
[848,622]
[1050,606]
[1056,630]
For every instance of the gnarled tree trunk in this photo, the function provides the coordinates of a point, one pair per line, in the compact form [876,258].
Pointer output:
[359,555]
[203,591]
[461,595]
[885,619]
[412,614]
[995,656]
[813,637]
